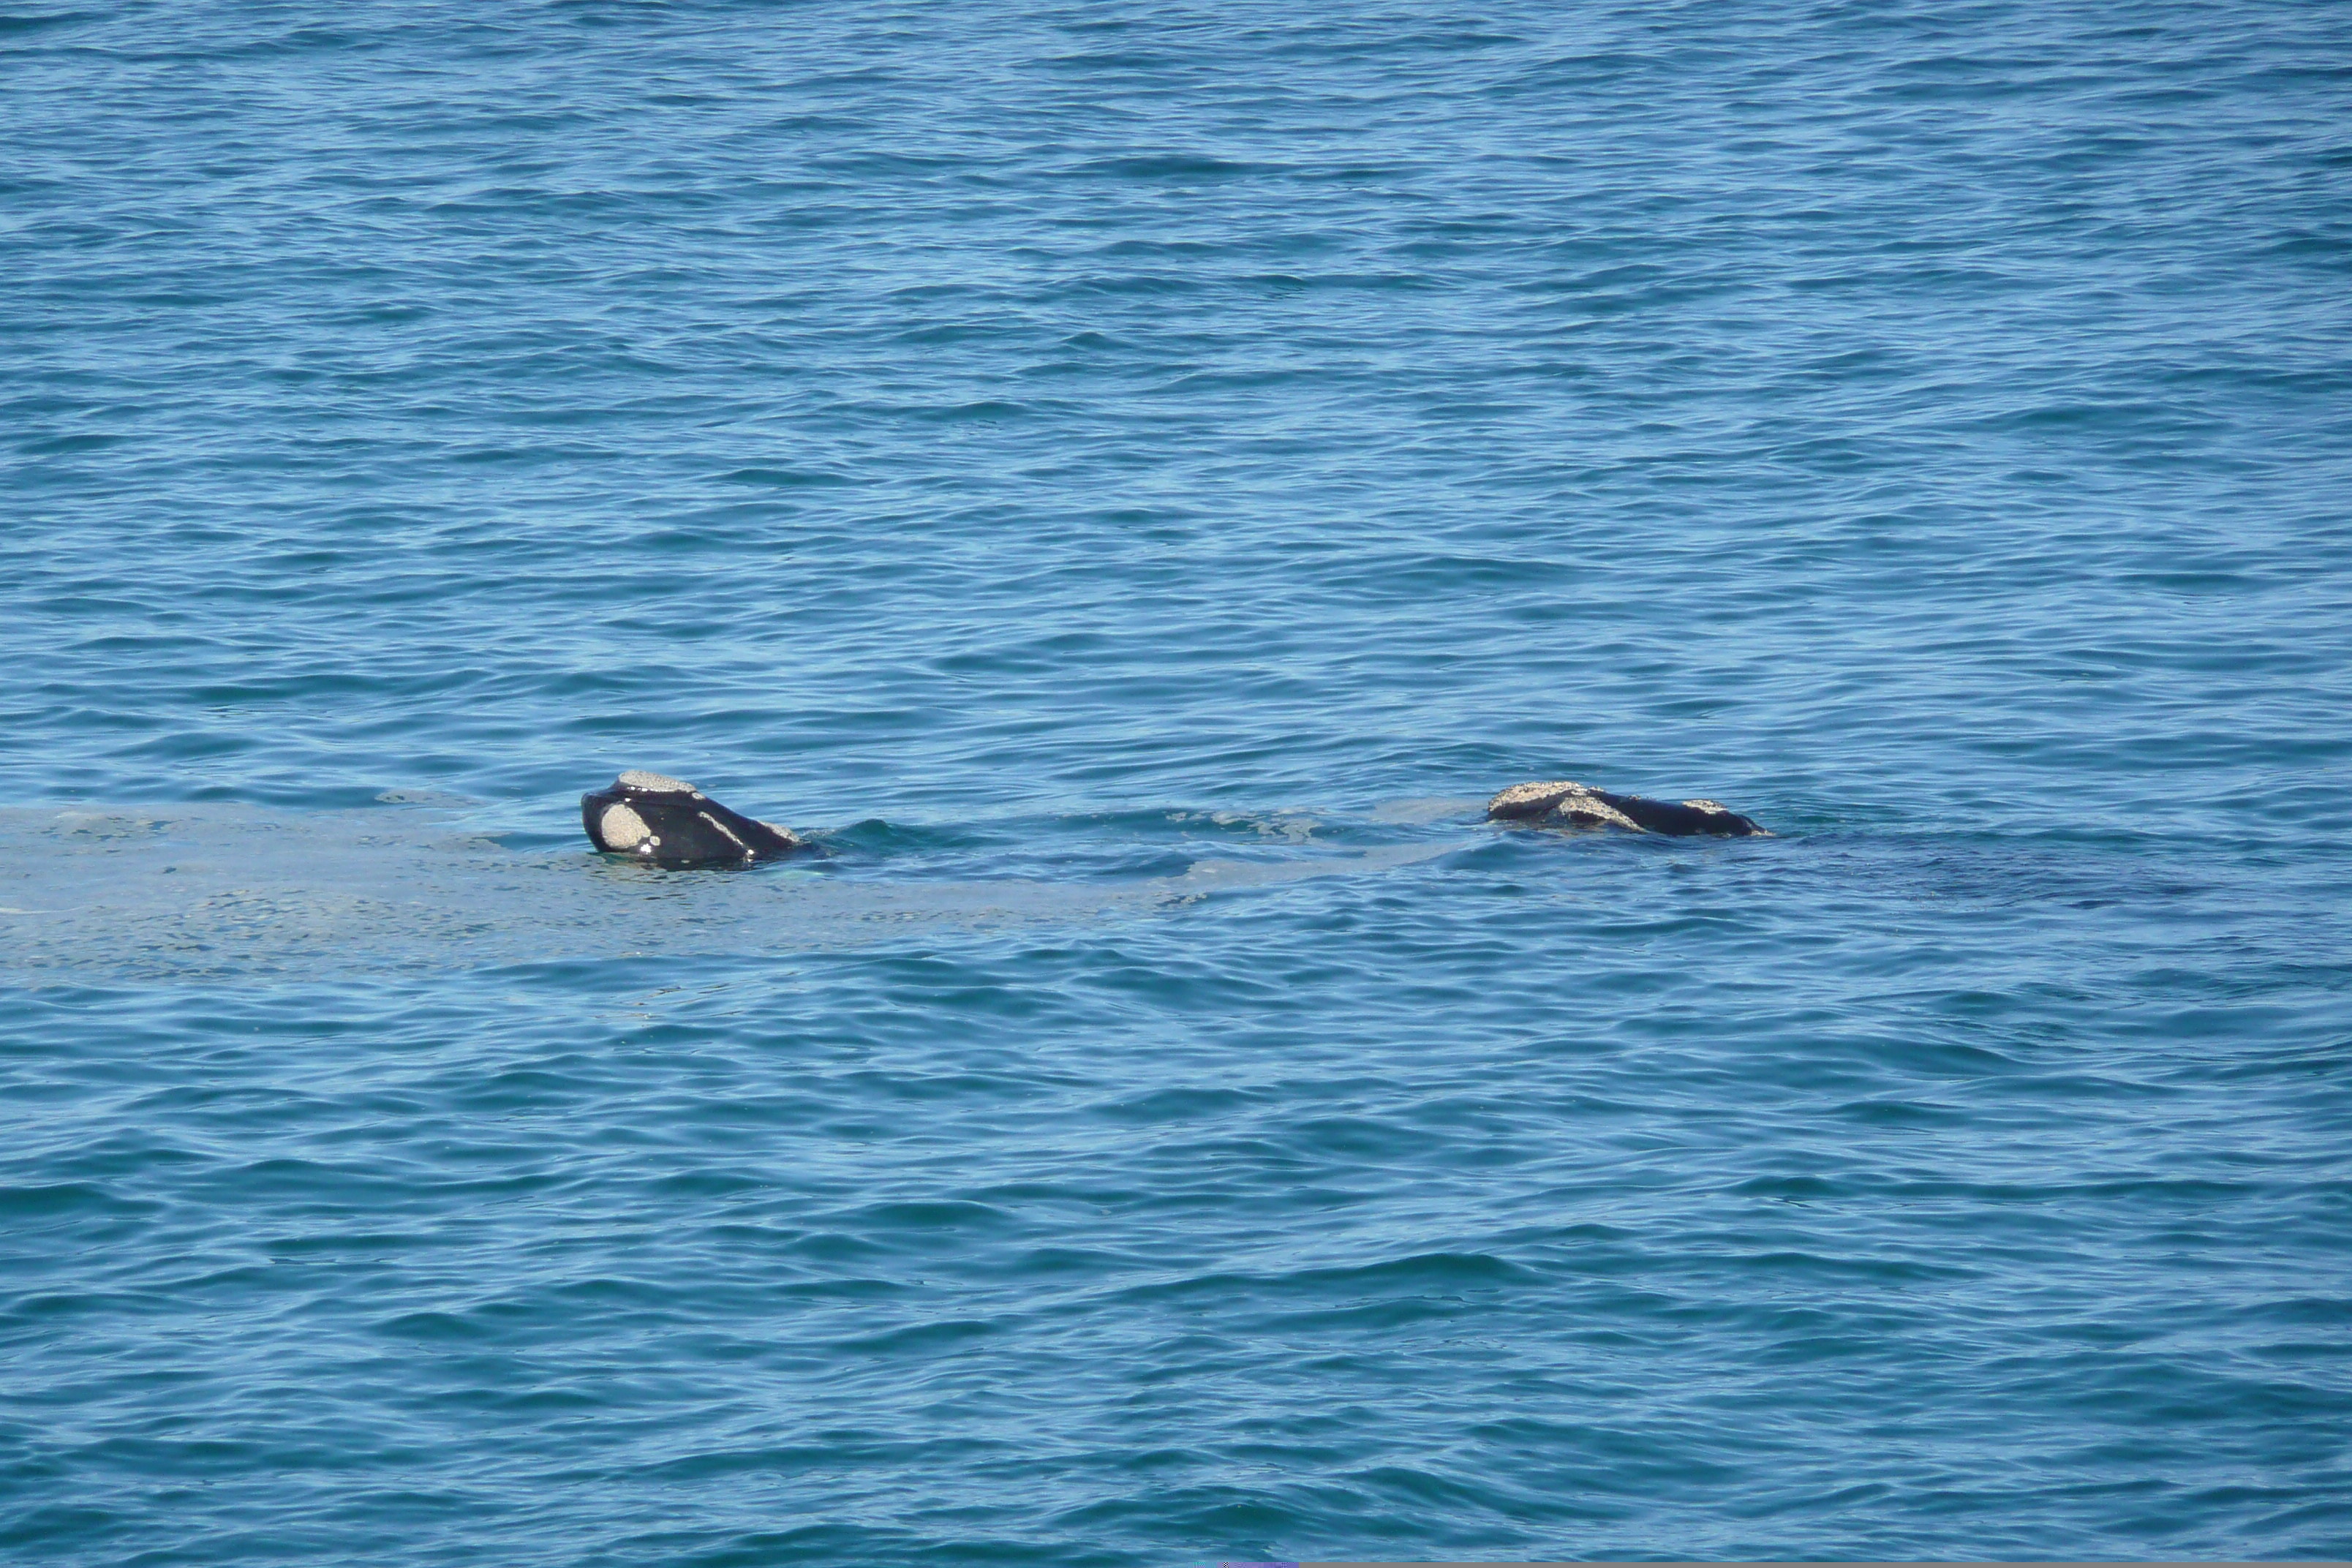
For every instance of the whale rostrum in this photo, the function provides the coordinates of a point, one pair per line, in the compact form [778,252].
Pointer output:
[667,822]
[1563,803]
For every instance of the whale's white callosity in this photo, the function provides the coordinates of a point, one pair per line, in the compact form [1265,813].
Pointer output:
[1564,802]
[621,828]
[661,783]
[667,822]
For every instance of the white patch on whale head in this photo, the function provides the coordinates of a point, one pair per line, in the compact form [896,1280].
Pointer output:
[1532,799]
[660,784]
[1560,803]
[621,828]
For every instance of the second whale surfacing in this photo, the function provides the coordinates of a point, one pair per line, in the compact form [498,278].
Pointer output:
[667,822]
[1563,803]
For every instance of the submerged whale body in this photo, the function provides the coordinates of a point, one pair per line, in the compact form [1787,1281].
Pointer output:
[667,822]
[1563,803]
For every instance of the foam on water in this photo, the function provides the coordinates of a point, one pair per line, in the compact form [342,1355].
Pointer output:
[195,892]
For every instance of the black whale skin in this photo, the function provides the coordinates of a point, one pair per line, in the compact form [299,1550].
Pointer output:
[667,822]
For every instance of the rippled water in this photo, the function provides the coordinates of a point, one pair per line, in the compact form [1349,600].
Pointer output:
[1130,480]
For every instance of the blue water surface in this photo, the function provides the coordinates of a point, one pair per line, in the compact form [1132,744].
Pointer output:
[1130,480]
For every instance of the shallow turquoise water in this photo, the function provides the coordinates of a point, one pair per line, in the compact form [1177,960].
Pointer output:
[1131,481]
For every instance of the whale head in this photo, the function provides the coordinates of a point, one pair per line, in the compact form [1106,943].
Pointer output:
[666,821]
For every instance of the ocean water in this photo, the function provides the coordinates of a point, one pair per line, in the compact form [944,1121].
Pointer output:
[1131,480]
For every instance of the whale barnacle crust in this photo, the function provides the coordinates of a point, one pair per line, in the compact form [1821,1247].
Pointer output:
[666,821]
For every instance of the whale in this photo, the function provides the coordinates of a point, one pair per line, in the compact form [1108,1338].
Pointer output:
[662,821]
[1564,802]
